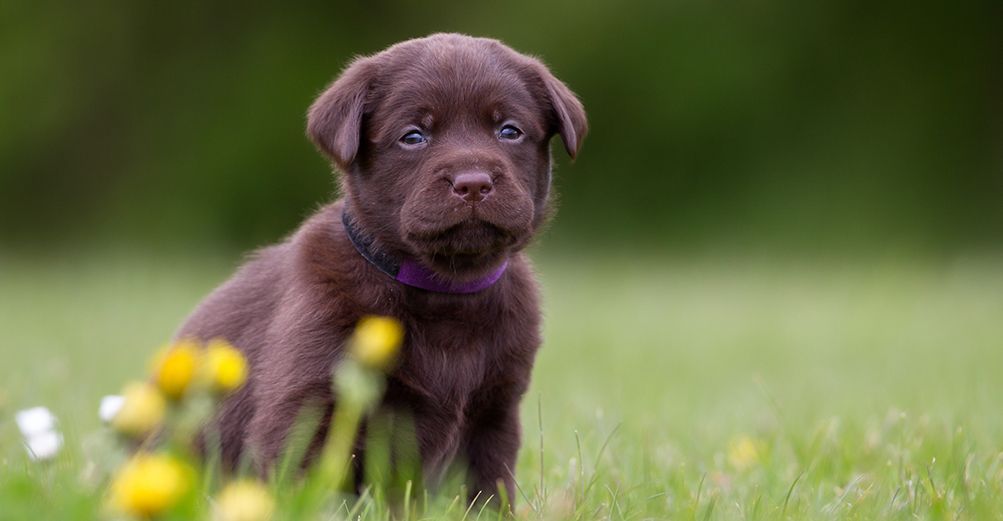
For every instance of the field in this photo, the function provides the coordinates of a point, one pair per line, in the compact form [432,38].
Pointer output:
[666,388]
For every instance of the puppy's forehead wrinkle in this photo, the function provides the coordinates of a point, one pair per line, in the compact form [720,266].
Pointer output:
[437,107]
[451,79]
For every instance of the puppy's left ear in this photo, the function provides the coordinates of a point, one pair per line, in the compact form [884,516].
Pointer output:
[569,113]
[334,121]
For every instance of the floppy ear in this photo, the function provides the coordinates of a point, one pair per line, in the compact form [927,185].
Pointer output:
[334,121]
[570,115]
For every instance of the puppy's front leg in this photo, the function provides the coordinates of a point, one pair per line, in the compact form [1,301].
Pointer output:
[276,415]
[491,451]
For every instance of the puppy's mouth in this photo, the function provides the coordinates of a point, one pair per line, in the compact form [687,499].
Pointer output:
[469,248]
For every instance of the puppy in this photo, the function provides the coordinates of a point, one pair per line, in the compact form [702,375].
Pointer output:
[443,144]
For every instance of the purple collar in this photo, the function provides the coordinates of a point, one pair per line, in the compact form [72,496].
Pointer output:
[410,272]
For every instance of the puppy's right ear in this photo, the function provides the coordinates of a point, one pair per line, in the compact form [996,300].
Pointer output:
[569,115]
[334,121]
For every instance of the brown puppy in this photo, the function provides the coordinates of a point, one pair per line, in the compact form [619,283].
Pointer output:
[444,147]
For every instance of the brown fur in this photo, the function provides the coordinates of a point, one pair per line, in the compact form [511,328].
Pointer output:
[467,359]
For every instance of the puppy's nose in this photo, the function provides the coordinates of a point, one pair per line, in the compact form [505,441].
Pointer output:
[473,186]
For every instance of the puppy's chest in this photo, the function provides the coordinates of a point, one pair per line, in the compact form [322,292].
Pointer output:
[444,371]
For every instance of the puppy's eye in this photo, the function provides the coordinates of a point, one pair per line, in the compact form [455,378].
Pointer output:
[413,138]
[509,133]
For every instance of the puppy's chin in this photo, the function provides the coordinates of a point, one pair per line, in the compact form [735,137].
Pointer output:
[465,251]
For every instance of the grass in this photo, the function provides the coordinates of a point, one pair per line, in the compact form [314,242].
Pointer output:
[865,390]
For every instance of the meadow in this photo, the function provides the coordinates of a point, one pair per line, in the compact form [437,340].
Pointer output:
[667,388]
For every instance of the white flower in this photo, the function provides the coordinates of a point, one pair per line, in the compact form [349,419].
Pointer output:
[35,421]
[38,426]
[44,446]
[110,405]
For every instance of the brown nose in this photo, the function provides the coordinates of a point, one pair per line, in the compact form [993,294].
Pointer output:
[472,186]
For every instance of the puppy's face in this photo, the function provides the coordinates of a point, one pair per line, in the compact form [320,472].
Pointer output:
[444,143]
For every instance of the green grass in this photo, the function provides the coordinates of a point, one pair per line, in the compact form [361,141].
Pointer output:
[871,390]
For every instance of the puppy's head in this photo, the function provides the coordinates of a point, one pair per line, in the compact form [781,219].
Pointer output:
[444,145]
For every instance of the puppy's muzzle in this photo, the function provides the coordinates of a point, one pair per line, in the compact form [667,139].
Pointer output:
[473,186]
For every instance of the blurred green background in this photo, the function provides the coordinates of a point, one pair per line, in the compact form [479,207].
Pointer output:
[846,127]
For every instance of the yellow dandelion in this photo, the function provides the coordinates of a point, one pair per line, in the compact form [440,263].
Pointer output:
[244,500]
[744,453]
[148,485]
[225,367]
[376,341]
[141,412]
[175,368]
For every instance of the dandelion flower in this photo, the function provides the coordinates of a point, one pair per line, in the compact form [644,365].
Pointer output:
[141,411]
[148,485]
[743,453]
[244,500]
[376,341]
[175,368]
[225,367]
